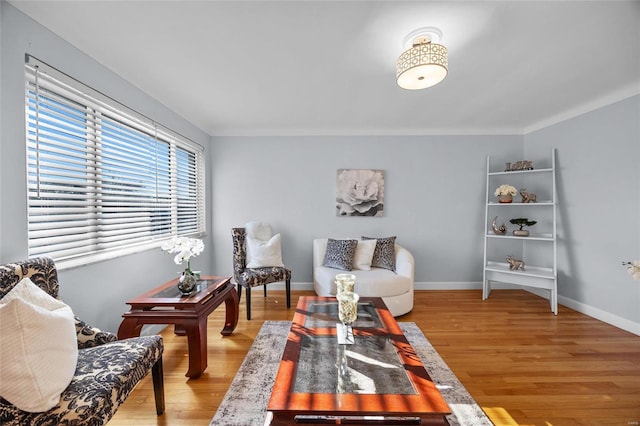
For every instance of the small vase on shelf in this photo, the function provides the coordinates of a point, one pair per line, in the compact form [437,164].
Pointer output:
[505,193]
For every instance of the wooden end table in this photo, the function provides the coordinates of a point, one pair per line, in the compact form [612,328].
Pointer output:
[165,305]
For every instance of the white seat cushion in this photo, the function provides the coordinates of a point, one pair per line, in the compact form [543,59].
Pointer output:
[377,282]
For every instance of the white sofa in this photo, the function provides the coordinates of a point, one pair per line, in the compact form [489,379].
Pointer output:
[395,288]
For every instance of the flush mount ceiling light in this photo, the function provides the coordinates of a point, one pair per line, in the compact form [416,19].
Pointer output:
[424,63]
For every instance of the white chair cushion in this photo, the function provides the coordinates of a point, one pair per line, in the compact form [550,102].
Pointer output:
[262,254]
[39,349]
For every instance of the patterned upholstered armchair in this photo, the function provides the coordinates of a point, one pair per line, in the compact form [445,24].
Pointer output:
[252,277]
[107,369]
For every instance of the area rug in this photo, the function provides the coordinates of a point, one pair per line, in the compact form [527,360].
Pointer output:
[248,395]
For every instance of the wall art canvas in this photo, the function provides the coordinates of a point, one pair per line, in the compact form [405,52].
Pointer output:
[360,192]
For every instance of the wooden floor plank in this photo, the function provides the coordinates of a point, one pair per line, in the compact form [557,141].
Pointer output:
[520,362]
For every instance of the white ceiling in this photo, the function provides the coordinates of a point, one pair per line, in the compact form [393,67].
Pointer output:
[328,67]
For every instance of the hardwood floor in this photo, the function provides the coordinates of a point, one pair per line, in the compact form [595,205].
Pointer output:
[522,364]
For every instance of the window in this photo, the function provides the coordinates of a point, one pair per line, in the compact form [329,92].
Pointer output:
[103,180]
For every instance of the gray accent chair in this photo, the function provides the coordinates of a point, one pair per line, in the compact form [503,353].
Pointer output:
[252,277]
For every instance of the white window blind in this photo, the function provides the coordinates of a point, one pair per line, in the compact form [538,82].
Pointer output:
[101,177]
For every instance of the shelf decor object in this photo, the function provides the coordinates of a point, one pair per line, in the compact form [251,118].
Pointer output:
[505,193]
[519,166]
[498,230]
[540,247]
[527,197]
[515,264]
[522,221]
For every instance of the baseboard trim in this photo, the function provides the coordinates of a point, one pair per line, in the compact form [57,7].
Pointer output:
[599,314]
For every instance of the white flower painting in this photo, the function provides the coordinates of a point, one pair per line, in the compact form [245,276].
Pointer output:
[360,192]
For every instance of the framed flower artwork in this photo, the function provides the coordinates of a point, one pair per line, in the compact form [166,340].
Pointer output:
[360,192]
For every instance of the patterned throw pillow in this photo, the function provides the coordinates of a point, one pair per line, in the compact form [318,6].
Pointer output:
[384,255]
[340,254]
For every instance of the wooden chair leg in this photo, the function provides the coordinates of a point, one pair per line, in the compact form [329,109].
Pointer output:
[158,385]
[248,291]
[239,292]
[265,290]
[288,291]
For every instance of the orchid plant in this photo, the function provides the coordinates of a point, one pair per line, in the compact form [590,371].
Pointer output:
[634,269]
[185,247]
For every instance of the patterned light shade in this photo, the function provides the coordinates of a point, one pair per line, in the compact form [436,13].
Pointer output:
[423,65]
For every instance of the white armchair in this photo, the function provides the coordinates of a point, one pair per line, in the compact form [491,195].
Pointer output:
[395,288]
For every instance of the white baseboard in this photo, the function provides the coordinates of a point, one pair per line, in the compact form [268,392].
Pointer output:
[599,314]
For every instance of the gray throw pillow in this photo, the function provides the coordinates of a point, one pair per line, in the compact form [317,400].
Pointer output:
[340,254]
[384,255]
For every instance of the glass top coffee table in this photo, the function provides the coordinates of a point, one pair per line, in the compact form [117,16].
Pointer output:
[378,379]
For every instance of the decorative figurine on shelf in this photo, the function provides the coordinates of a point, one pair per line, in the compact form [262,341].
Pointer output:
[518,166]
[498,230]
[522,221]
[527,197]
[515,264]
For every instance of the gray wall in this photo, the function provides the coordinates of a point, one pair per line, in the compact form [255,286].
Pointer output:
[434,196]
[435,189]
[599,209]
[434,193]
[97,292]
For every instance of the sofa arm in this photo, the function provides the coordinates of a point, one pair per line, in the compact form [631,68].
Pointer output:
[404,262]
[89,337]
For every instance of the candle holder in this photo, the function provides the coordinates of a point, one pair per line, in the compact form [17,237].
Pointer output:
[347,313]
